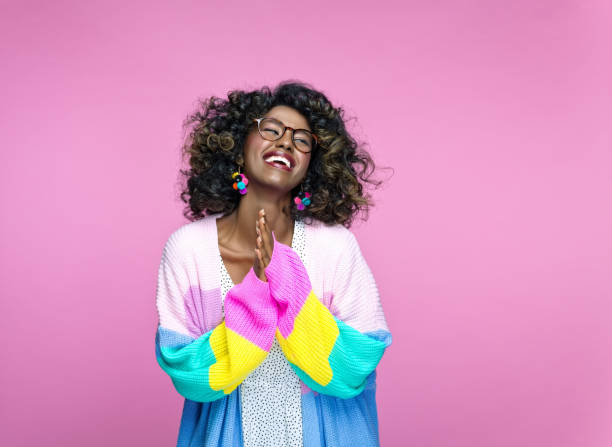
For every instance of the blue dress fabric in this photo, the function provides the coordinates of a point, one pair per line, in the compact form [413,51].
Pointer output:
[327,421]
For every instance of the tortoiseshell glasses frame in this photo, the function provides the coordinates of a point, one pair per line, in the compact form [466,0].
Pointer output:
[280,128]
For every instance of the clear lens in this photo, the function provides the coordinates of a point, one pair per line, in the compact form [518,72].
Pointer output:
[270,129]
[303,140]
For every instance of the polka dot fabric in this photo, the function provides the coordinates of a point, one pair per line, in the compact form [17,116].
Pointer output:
[271,395]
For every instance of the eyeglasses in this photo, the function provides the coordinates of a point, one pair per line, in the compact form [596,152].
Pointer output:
[272,129]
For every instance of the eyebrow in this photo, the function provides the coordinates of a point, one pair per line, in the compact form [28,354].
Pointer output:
[280,120]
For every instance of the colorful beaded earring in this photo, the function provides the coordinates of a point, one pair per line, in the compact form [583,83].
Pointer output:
[240,182]
[302,200]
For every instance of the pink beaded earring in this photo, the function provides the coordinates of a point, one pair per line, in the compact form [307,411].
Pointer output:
[240,182]
[302,200]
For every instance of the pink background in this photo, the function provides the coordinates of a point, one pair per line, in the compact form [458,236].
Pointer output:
[491,243]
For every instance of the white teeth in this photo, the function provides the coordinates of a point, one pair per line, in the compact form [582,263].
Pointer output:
[278,158]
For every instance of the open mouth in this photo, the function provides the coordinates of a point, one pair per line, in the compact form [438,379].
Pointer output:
[278,161]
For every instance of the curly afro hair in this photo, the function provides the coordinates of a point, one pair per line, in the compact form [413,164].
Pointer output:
[217,130]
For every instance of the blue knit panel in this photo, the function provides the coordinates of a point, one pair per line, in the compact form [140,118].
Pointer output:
[171,339]
[381,335]
[330,421]
[214,424]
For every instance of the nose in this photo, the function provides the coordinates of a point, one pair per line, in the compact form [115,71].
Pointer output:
[287,138]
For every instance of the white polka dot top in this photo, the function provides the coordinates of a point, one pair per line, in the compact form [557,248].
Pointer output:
[271,395]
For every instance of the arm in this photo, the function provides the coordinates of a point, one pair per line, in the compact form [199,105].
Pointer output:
[206,367]
[332,355]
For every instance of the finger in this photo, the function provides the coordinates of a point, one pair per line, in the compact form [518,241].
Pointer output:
[264,255]
[260,216]
[267,243]
[265,231]
[261,244]
[259,258]
[261,231]
[261,262]
[259,238]
[257,266]
[269,240]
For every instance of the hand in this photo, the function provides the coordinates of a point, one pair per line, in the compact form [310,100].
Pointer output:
[265,246]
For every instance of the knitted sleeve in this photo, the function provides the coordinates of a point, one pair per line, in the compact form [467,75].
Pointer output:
[332,354]
[207,366]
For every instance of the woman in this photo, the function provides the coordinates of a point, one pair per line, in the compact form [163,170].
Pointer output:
[270,322]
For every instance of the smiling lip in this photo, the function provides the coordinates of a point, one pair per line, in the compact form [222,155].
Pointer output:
[279,165]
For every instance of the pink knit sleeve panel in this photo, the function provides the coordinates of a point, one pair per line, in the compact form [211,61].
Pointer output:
[206,363]
[331,354]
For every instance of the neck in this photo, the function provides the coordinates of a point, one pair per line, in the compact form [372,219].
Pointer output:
[241,223]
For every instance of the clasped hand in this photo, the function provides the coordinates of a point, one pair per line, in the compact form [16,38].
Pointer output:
[265,246]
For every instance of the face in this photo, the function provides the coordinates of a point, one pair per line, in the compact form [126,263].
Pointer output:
[257,151]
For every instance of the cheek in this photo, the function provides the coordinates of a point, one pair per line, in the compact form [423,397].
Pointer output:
[305,165]
[251,145]
[252,137]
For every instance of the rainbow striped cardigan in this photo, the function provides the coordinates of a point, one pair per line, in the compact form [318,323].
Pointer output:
[325,312]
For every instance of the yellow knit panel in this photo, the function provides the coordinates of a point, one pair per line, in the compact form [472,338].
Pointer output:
[311,340]
[218,341]
[234,363]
